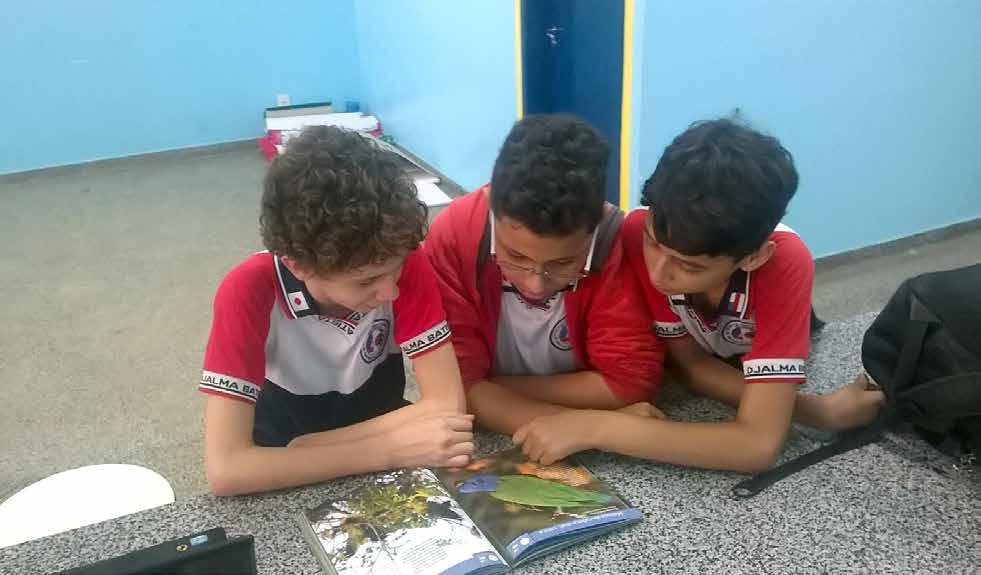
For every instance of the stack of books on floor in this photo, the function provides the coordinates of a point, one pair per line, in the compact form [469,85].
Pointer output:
[286,122]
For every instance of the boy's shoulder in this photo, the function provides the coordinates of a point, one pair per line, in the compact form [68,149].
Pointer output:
[466,208]
[459,236]
[416,267]
[460,225]
[787,278]
[254,278]
[255,270]
[633,223]
[791,256]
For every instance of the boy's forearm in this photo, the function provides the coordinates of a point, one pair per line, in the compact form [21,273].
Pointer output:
[715,379]
[254,469]
[380,425]
[811,409]
[730,445]
[577,390]
[438,376]
[500,409]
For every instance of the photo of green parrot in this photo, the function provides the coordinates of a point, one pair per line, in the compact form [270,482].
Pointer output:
[533,491]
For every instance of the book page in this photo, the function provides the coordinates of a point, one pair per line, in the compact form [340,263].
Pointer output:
[523,506]
[404,524]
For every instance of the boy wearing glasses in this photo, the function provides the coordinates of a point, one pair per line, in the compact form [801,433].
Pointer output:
[545,316]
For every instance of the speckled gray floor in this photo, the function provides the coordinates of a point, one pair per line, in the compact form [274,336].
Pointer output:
[892,507]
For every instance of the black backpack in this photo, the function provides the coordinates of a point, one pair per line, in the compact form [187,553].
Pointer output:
[924,351]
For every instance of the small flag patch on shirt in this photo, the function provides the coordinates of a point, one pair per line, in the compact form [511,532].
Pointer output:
[298,301]
[737,303]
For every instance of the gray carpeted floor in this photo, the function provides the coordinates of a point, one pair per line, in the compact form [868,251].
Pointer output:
[108,271]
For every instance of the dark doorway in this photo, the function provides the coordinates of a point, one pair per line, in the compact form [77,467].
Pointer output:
[572,61]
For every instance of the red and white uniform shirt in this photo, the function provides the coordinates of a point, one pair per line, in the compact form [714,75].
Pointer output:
[764,317]
[524,326]
[266,326]
[522,330]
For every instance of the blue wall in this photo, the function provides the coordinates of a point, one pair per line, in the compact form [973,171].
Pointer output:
[879,101]
[440,74]
[102,78]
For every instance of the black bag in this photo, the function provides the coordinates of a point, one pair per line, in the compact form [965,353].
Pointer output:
[924,351]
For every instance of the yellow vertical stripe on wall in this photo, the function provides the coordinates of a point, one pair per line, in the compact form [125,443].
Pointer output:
[625,110]
[519,80]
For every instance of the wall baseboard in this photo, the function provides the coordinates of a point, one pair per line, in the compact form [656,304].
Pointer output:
[898,245]
[177,153]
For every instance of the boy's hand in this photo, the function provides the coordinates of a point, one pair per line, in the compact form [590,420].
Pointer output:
[854,405]
[643,409]
[549,438]
[441,439]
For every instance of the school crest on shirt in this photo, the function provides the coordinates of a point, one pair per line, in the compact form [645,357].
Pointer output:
[376,341]
[559,336]
[738,331]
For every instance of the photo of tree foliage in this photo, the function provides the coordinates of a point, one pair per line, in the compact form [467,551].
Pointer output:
[405,523]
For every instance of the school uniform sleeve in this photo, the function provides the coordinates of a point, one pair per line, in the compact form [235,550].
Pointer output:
[456,276]
[782,294]
[667,324]
[235,359]
[420,322]
[620,342]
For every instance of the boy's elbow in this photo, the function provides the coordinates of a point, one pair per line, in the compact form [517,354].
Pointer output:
[760,456]
[620,392]
[757,463]
[221,479]
[220,485]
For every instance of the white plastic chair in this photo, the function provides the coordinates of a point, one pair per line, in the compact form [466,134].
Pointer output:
[80,497]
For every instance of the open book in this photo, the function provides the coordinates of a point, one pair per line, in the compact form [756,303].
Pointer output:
[498,512]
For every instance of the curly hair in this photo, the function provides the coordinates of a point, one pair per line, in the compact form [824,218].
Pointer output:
[720,188]
[334,201]
[550,175]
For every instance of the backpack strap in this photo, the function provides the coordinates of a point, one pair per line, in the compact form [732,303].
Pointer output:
[916,329]
[852,439]
[817,324]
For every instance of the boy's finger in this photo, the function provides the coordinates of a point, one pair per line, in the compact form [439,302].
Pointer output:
[464,448]
[548,458]
[526,449]
[534,451]
[519,436]
[457,461]
[460,422]
[459,437]
[449,414]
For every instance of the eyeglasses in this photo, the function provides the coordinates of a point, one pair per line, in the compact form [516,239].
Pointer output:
[559,273]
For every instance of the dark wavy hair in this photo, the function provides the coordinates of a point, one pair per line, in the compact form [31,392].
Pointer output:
[335,201]
[550,175]
[720,188]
